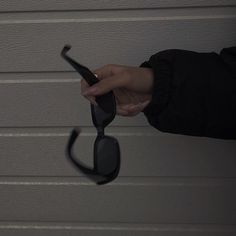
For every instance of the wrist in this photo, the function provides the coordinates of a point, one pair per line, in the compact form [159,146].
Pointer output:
[148,80]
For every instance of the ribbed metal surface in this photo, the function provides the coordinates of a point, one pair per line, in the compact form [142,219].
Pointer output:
[169,185]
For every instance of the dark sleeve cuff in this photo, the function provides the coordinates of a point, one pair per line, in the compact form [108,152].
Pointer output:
[229,57]
[162,70]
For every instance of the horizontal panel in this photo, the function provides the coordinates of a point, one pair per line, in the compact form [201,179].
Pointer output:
[199,201]
[116,14]
[144,152]
[35,45]
[53,229]
[46,5]
[49,104]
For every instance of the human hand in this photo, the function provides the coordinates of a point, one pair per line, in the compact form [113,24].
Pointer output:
[132,87]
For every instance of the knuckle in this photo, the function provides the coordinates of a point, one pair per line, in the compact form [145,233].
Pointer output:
[108,66]
[112,68]
[111,65]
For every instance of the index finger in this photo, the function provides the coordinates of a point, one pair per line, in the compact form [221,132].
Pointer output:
[106,85]
[108,71]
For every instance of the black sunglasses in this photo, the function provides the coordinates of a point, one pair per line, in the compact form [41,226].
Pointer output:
[106,148]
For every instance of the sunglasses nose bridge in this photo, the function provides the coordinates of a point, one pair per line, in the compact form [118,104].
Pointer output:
[100,131]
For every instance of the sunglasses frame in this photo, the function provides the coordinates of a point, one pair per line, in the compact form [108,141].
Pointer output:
[107,104]
[92,174]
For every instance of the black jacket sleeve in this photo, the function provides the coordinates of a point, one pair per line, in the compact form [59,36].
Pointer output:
[194,93]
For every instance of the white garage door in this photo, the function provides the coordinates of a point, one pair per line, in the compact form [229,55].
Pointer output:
[168,185]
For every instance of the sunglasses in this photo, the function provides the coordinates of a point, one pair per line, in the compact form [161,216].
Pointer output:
[106,149]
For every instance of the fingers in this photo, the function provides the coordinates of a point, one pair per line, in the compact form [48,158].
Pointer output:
[108,70]
[107,84]
[104,72]
[84,87]
[131,109]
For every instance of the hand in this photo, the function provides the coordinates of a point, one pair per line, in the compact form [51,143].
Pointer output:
[132,87]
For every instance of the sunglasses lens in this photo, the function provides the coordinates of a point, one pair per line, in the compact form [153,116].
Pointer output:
[107,155]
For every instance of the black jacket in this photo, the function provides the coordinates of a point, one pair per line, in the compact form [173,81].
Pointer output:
[194,93]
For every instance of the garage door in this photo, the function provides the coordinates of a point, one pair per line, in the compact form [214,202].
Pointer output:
[168,185]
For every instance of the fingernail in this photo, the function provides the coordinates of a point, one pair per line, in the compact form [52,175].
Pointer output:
[90,91]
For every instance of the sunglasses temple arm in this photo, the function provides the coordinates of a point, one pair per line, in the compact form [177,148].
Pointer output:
[91,174]
[71,61]
[78,67]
